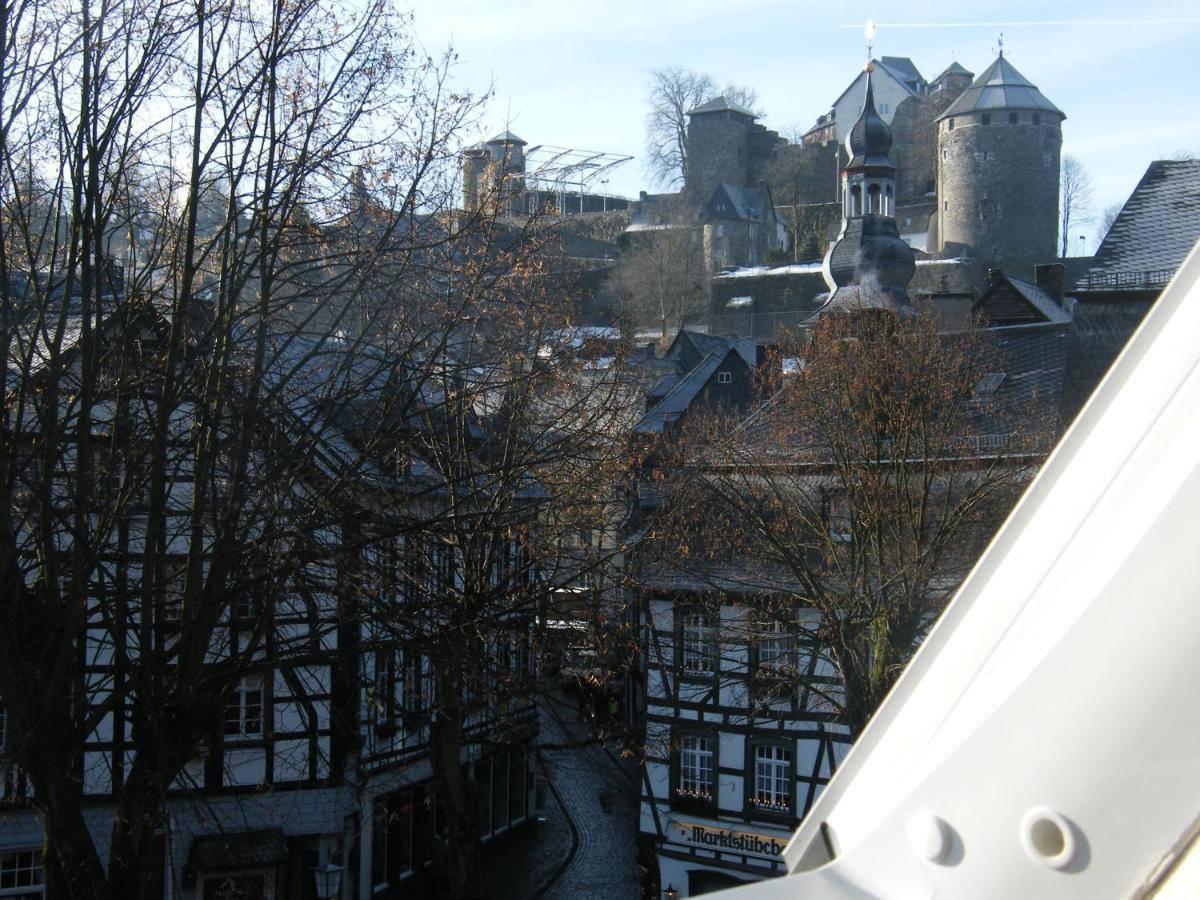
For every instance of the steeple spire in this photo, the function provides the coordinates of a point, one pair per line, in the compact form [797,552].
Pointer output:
[870,266]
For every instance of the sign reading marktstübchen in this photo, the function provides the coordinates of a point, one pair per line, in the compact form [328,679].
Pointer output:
[715,838]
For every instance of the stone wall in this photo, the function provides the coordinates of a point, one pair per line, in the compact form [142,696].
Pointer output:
[998,188]
[717,151]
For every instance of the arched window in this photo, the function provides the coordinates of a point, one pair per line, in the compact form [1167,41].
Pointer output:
[856,201]
[887,200]
[873,199]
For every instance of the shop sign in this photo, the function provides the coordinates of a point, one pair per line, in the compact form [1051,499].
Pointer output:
[727,839]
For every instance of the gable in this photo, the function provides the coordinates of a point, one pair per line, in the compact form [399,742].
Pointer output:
[1003,305]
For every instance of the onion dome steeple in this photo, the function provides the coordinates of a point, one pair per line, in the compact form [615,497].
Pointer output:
[870,266]
[870,138]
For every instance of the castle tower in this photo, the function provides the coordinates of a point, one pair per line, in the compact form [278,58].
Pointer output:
[498,166]
[869,266]
[718,138]
[998,172]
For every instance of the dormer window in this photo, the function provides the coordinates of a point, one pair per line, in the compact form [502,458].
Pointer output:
[724,378]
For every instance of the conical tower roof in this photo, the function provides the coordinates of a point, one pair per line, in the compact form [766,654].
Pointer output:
[507,137]
[1001,86]
[870,138]
[721,104]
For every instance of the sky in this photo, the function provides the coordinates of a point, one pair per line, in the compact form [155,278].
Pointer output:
[575,74]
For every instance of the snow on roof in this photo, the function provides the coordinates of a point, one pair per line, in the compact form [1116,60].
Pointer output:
[755,271]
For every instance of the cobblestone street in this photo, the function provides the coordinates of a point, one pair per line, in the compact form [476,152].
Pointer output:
[581,850]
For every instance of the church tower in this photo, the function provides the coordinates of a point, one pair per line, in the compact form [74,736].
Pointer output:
[869,266]
[998,163]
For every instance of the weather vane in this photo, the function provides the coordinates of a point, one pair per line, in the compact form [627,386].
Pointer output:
[870,36]
[1000,43]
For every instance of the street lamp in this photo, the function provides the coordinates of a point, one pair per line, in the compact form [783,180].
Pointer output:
[670,893]
[329,880]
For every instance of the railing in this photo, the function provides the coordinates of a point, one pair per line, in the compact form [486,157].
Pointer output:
[1129,281]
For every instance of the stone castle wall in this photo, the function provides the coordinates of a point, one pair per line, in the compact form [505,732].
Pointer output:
[998,188]
[717,151]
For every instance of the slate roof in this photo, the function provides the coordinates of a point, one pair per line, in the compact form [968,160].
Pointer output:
[953,69]
[676,403]
[750,204]
[902,67]
[1001,86]
[1041,305]
[1156,228]
[507,137]
[1097,335]
[714,343]
[879,66]
[1034,358]
[722,104]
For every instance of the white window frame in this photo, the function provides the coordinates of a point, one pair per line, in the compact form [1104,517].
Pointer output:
[696,769]
[245,698]
[14,864]
[776,646]
[698,643]
[771,788]
[724,378]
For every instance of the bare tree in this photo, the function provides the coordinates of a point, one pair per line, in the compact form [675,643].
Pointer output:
[675,91]
[850,506]
[505,521]
[1075,198]
[169,417]
[1107,219]
[661,279]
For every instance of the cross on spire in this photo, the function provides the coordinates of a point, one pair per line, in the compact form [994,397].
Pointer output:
[870,32]
[1000,43]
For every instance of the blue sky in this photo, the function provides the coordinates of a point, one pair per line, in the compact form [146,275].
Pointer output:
[574,73]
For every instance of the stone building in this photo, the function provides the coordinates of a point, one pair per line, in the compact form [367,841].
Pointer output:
[726,144]
[998,172]
[494,172]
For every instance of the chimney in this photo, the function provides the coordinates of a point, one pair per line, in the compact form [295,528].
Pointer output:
[1050,278]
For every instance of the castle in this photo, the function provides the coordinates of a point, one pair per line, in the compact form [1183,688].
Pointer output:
[974,187]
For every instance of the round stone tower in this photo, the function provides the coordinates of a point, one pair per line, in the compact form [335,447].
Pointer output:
[998,173]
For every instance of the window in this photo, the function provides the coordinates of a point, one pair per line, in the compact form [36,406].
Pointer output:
[391,839]
[771,782]
[244,708]
[698,643]
[21,874]
[1037,119]
[720,231]
[985,119]
[1012,118]
[174,573]
[883,108]
[949,124]
[776,645]
[695,781]
[724,378]
[385,689]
